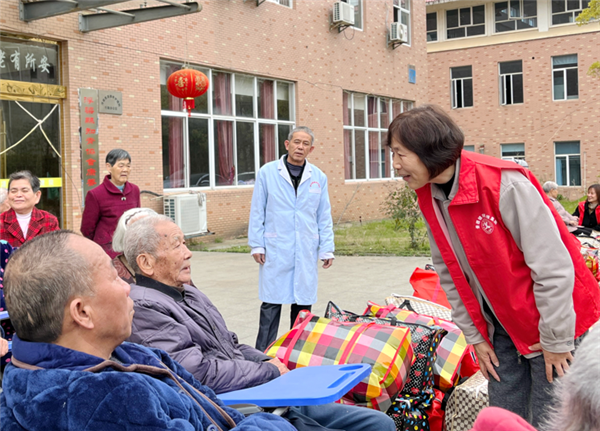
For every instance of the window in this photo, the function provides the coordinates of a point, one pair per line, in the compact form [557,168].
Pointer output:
[568,163]
[515,15]
[366,120]
[465,22]
[357,12]
[432,27]
[402,14]
[513,151]
[565,83]
[462,86]
[470,148]
[240,124]
[511,82]
[565,11]
[287,3]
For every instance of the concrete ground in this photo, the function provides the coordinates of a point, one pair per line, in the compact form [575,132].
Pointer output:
[230,280]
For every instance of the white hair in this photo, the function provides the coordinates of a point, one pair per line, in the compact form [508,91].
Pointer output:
[142,237]
[577,394]
[126,219]
[549,186]
[3,195]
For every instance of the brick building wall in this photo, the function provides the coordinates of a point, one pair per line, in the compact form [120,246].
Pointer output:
[272,41]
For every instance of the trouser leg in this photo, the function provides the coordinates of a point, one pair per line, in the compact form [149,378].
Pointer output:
[513,389]
[349,418]
[295,309]
[268,326]
[541,391]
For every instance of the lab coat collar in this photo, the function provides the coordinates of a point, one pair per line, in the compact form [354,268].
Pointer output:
[286,175]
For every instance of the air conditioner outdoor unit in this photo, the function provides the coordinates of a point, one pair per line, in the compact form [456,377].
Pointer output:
[188,212]
[399,32]
[343,13]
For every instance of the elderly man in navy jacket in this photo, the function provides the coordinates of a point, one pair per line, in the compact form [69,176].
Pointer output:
[70,368]
[178,318]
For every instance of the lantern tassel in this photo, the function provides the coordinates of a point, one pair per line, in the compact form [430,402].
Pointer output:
[189,104]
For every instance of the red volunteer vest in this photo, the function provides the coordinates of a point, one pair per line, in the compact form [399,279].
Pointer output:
[494,256]
[581,207]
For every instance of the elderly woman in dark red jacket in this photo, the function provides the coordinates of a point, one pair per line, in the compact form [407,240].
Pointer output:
[105,204]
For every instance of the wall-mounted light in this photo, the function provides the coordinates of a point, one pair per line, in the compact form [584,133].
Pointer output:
[482,149]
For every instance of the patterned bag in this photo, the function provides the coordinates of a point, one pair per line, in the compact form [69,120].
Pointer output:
[466,402]
[419,305]
[451,351]
[425,341]
[319,341]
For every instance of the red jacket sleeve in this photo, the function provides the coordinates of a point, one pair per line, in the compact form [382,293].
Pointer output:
[91,215]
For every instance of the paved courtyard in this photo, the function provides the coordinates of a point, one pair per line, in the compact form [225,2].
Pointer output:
[231,282]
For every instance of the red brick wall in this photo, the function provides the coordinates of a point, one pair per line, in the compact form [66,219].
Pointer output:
[539,121]
[270,40]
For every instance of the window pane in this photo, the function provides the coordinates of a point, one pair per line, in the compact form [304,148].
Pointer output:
[461,72]
[572,4]
[529,8]
[517,81]
[244,96]
[396,108]
[511,67]
[266,100]
[526,23]
[357,12]
[561,171]
[505,26]
[266,139]
[348,161]
[513,150]
[465,16]
[201,103]
[508,89]
[222,93]
[283,130]
[558,6]
[559,85]
[468,91]
[168,102]
[374,155]
[383,113]
[432,36]
[459,93]
[515,9]
[476,30]
[359,110]
[386,161]
[346,111]
[479,15]
[452,18]
[245,153]
[563,18]
[359,152]
[574,171]
[198,143]
[455,33]
[572,84]
[566,147]
[501,11]
[284,108]
[470,148]
[223,144]
[431,21]
[172,150]
[564,61]
[372,111]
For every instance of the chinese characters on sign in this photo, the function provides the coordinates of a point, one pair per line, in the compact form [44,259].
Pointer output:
[28,60]
[90,165]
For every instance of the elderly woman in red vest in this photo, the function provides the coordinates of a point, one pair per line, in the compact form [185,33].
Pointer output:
[518,286]
[588,211]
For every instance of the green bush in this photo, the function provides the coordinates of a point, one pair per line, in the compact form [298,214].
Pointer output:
[401,206]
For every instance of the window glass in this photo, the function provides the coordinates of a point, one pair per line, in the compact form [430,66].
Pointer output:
[223,150]
[244,96]
[29,61]
[469,21]
[199,172]
[172,150]
[222,93]
[359,110]
[282,135]
[267,142]
[432,27]
[245,153]
[284,108]
[266,100]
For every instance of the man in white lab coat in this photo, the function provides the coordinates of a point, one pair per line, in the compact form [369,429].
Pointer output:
[290,229]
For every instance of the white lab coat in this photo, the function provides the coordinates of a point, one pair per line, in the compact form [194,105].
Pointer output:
[294,232]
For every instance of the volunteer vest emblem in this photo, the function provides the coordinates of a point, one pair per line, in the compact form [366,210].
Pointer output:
[486,223]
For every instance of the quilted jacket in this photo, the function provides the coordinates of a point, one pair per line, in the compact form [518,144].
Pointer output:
[40,223]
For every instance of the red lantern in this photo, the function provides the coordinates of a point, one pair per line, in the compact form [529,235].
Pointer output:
[187,84]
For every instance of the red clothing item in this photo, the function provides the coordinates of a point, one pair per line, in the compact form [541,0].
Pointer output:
[104,205]
[40,223]
[497,419]
[582,210]
[495,258]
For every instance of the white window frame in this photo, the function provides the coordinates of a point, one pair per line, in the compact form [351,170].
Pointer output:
[397,4]
[361,14]
[504,147]
[211,117]
[567,163]
[504,77]
[453,89]
[574,12]
[564,75]
[467,26]
[521,16]
[365,130]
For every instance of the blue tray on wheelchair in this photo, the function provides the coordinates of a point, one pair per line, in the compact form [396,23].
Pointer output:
[304,386]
